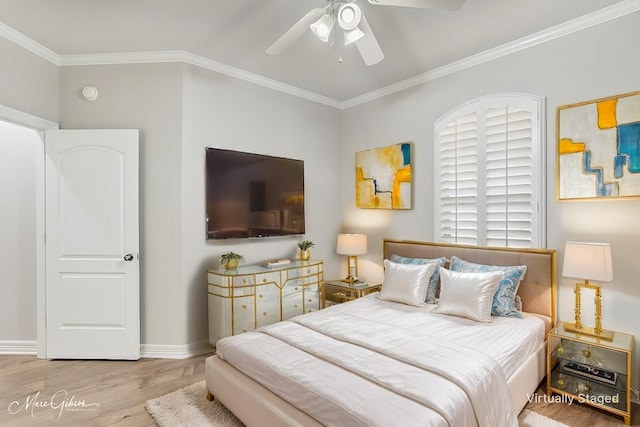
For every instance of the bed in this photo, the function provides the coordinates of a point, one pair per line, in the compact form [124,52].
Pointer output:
[318,371]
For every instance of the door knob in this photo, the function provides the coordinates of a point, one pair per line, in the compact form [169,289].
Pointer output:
[128,257]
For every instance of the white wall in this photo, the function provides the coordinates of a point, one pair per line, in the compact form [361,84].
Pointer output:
[181,109]
[146,97]
[594,63]
[18,148]
[27,82]
[220,111]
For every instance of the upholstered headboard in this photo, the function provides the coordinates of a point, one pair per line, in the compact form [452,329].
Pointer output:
[538,288]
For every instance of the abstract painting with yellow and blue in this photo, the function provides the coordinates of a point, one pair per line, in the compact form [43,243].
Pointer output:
[384,177]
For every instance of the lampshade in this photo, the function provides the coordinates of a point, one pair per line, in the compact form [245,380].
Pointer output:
[352,244]
[589,261]
[352,36]
[322,27]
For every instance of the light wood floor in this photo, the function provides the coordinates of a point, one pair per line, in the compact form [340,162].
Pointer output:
[122,388]
[581,415]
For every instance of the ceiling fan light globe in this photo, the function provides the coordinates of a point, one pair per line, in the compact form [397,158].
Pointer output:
[352,36]
[349,16]
[322,27]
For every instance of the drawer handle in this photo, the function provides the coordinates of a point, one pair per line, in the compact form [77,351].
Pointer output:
[244,281]
[586,353]
[244,330]
[264,280]
[244,306]
[560,383]
[260,295]
[310,300]
[584,388]
[295,289]
[295,306]
[264,313]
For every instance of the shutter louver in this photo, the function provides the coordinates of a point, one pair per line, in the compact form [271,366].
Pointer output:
[459,181]
[509,189]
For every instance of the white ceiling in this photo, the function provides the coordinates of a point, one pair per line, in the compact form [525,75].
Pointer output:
[237,32]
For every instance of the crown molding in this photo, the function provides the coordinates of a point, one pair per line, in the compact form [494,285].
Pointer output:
[586,21]
[121,58]
[22,118]
[199,61]
[31,45]
[606,14]
[260,80]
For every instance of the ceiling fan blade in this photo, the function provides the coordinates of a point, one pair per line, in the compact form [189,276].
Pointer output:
[423,4]
[368,45]
[295,32]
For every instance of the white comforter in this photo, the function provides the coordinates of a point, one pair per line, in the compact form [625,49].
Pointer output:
[376,363]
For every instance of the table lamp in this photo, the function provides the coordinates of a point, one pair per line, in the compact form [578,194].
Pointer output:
[352,245]
[588,261]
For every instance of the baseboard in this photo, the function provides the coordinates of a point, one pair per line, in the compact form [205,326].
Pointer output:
[157,351]
[153,351]
[29,347]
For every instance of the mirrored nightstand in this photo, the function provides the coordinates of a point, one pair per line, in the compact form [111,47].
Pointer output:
[590,370]
[337,291]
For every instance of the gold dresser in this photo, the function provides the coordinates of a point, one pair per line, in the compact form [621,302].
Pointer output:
[252,296]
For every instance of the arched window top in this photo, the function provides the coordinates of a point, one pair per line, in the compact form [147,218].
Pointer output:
[490,172]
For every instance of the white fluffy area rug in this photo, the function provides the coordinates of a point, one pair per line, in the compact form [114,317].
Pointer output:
[529,418]
[189,407]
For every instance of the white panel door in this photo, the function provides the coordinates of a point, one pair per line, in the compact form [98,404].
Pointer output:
[92,278]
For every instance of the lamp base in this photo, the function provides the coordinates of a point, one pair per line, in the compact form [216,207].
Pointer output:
[586,330]
[350,280]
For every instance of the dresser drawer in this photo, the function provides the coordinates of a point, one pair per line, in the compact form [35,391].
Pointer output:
[311,301]
[593,355]
[243,315]
[267,304]
[592,391]
[292,305]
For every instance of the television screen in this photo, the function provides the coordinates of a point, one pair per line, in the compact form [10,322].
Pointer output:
[253,195]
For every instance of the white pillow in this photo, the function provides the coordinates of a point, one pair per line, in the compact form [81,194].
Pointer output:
[468,295]
[406,283]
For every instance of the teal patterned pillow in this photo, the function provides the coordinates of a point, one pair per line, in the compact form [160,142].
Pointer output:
[504,300]
[518,303]
[434,281]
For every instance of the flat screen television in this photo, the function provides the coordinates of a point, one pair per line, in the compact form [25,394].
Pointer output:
[253,195]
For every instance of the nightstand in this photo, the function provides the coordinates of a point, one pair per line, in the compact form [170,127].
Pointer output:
[591,370]
[337,291]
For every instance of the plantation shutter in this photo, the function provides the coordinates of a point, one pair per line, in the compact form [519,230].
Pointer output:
[459,181]
[490,174]
[509,184]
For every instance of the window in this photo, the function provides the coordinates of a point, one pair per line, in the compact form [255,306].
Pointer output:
[490,173]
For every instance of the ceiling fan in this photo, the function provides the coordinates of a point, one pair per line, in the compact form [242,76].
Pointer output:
[352,26]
